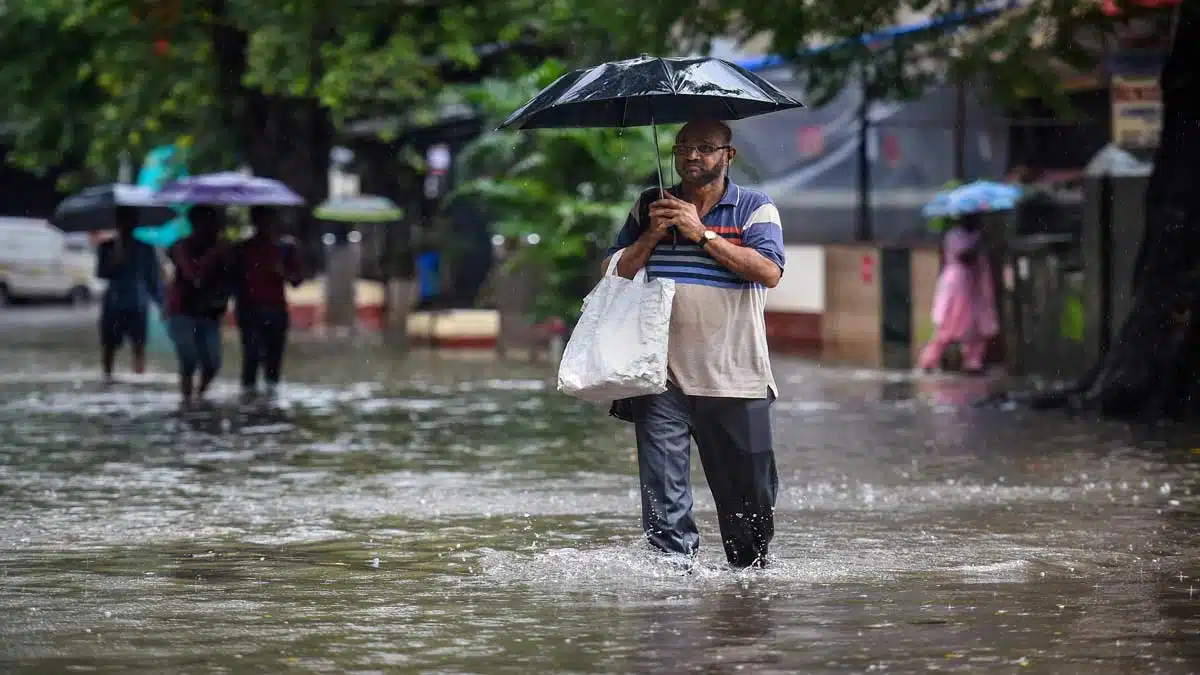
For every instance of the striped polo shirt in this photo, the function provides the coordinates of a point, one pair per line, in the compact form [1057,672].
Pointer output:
[718,339]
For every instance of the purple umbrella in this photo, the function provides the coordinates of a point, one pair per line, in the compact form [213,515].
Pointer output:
[229,188]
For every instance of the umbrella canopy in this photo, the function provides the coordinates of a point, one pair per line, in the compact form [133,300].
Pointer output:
[978,197]
[359,209]
[650,90]
[95,208]
[229,188]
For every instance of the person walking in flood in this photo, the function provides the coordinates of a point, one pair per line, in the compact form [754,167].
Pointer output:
[964,304]
[134,280]
[723,246]
[264,264]
[197,299]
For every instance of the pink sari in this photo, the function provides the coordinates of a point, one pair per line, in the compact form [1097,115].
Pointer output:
[964,307]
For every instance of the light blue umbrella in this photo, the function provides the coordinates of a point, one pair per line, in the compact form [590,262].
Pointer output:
[979,197]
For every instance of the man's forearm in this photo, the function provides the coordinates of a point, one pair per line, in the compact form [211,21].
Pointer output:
[634,256]
[744,262]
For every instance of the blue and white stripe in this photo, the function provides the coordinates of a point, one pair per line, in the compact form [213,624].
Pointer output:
[743,216]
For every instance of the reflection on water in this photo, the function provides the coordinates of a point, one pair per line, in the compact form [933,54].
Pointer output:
[462,517]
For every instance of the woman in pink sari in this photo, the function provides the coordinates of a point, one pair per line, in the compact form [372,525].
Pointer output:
[964,305]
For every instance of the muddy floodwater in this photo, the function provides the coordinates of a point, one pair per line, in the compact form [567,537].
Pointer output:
[459,516]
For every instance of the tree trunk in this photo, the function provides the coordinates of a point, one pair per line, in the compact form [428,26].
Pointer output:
[280,137]
[1152,368]
[385,176]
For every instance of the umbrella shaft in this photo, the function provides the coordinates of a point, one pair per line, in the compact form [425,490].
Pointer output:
[658,163]
[657,157]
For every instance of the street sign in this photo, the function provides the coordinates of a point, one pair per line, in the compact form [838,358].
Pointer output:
[1136,99]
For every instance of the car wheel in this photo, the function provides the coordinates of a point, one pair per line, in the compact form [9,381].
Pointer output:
[5,298]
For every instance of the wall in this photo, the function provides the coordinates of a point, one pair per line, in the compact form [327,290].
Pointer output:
[828,306]
[926,265]
[794,307]
[851,324]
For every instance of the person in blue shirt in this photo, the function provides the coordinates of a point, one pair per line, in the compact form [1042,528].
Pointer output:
[134,279]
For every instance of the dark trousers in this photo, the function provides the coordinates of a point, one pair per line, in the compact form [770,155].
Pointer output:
[264,336]
[733,437]
[118,323]
[197,344]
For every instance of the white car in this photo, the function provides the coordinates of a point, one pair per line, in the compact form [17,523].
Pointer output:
[40,262]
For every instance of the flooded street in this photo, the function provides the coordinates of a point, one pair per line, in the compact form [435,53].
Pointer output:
[460,516]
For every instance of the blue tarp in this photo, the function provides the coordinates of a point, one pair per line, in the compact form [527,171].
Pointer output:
[807,159]
[986,10]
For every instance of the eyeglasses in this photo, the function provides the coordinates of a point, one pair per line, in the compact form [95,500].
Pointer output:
[704,149]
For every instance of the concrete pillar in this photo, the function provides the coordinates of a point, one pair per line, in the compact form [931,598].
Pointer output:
[401,299]
[514,290]
[341,274]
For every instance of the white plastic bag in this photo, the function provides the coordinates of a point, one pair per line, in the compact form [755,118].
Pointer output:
[619,347]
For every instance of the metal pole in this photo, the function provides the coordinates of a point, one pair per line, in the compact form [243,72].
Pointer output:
[862,230]
[960,117]
[960,130]
[657,158]
[125,172]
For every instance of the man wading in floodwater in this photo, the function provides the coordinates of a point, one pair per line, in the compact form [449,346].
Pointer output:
[134,280]
[723,246]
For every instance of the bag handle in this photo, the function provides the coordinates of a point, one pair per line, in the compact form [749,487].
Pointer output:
[612,263]
[612,268]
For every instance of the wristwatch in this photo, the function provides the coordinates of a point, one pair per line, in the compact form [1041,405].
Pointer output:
[708,236]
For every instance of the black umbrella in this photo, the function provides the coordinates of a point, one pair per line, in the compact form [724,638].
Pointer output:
[650,90]
[95,208]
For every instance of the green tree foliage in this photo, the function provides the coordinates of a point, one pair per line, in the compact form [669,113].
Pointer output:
[264,83]
[571,188]
[261,82]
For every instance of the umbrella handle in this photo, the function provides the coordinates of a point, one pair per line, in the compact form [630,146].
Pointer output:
[657,158]
[661,193]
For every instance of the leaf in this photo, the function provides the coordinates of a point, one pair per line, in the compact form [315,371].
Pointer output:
[84,77]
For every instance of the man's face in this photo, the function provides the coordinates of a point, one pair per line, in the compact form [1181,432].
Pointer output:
[702,154]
